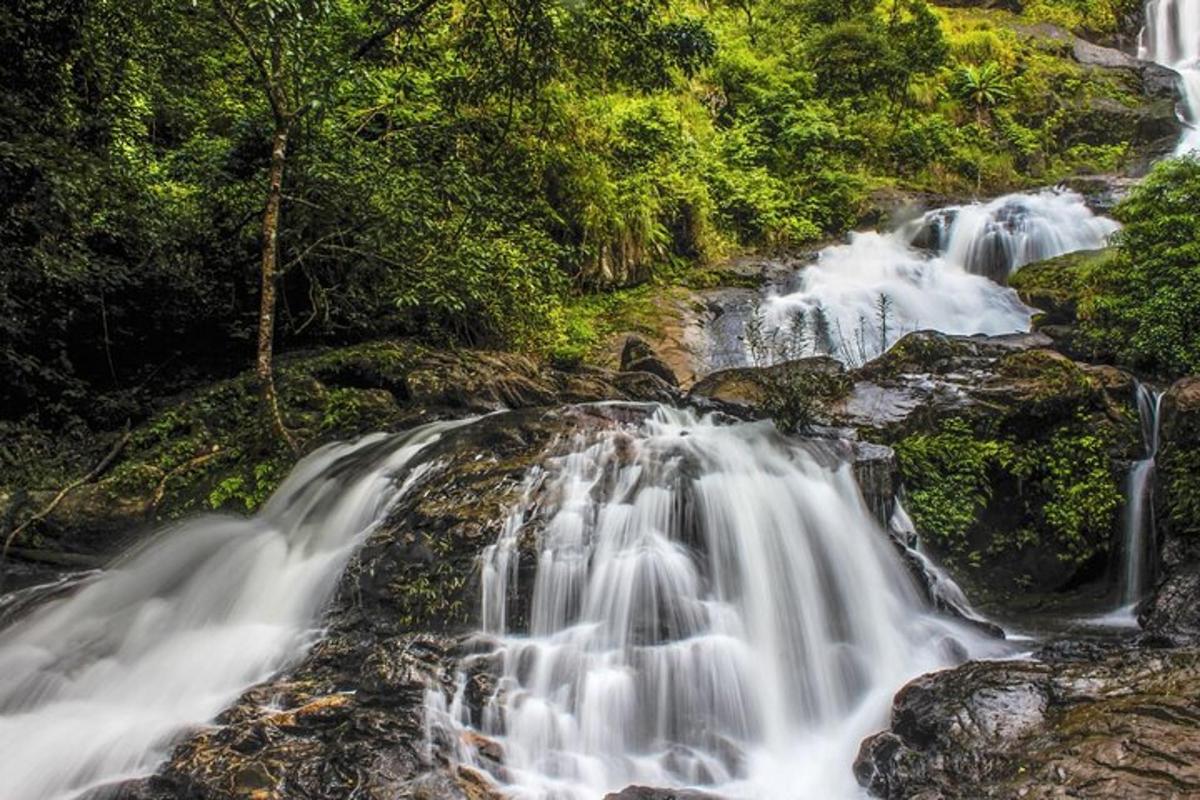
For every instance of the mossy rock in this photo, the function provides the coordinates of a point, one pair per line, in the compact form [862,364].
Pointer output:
[1055,286]
[210,450]
[1012,456]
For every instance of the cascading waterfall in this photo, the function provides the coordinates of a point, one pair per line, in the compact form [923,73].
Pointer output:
[996,238]
[858,299]
[713,606]
[1172,38]
[1138,547]
[95,687]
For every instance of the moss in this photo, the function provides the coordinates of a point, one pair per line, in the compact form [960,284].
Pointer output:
[994,489]
[947,474]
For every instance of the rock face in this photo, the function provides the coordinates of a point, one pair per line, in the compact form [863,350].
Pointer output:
[1123,726]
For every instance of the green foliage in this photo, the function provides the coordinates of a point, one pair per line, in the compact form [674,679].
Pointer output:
[981,87]
[1076,477]
[464,173]
[1067,495]
[1143,304]
[948,475]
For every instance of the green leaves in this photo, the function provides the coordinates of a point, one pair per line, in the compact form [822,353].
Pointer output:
[981,87]
[1144,304]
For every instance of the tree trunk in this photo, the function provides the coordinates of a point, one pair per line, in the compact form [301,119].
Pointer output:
[264,366]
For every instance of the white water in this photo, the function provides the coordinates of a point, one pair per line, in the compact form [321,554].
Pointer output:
[713,606]
[997,238]
[837,299]
[1172,38]
[1138,546]
[95,687]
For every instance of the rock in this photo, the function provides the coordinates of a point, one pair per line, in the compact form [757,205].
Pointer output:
[1101,121]
[1094,55]
[1124,726]
[956,406]
[650,793]
[638,356]
[878,478]
[1159,82]
[1101,193]
[742,390]
[1157,133]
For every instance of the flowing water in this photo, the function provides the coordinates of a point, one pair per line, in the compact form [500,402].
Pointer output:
[1138,547]
[996,238]
[94,687]
[857,299]
[1172,38]
[713,606]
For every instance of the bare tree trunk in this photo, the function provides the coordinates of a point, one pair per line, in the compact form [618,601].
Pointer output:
[264,364]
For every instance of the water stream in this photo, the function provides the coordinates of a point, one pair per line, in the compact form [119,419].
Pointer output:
[1138,547]
[713,606]
[944,271]
[95,686]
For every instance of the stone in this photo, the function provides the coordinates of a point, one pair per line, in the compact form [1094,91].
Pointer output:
[651,793]
[1122,726]
[1094,55]
[638,356]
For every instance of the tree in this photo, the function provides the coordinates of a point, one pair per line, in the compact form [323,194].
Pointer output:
[280,40]
[982,88]
[298,51]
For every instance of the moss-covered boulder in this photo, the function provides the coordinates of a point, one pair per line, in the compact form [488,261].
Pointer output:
[1011,454]
[1056,288]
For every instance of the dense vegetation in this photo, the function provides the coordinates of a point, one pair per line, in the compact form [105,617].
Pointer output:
[464,171]
[1139,302]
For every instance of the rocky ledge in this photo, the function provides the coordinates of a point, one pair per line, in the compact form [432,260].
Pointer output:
[1126,725]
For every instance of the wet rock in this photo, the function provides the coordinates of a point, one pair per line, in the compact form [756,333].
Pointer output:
[743,390]
[1018,400]
[650,793]
[878,478]
[638,356]
[1156,136]
[1159,82]
[1125,726]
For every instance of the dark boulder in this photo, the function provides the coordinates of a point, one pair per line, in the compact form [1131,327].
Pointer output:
[1123,726]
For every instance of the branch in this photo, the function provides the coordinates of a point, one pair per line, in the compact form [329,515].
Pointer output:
[394,24]
[96,472]
[161,489]
[260,63]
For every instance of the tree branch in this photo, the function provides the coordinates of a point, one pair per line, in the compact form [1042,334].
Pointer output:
[391,26]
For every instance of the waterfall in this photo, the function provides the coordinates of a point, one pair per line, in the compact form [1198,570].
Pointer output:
[713,606]
[857,299]
[96,686]
[996,238]
[1138,547]
[1172,38]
